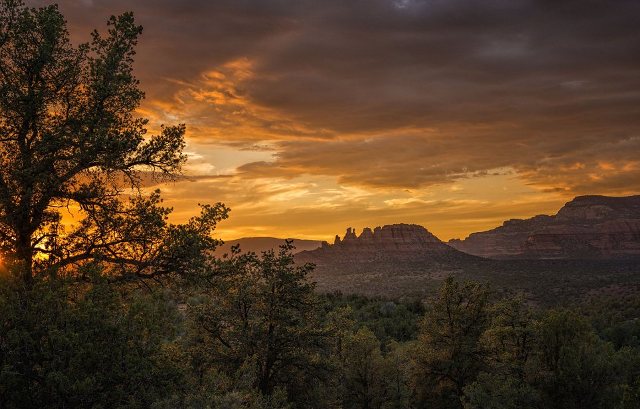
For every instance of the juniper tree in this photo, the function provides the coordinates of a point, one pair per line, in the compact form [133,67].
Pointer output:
[261,320]
[70,139]
[449,353]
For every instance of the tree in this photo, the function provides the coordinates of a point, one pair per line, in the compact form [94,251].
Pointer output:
[260,318]
[85,347]
[397,361]
[69,139]
[500,391]
[508,343]
[510,337]
[576,369]
[364,371]
[628,359]
[449,353]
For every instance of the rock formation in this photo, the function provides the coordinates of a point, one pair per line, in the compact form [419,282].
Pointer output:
[588,227]
[394,260]
[396,241]
[505,241]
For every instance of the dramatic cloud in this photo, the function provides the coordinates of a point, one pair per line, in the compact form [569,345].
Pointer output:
[402,101]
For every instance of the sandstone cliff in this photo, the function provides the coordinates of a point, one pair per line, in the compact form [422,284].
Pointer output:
[391,242]
[588,227]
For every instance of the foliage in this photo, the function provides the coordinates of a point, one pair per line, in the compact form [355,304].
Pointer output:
[256,336]
[508,344]
[260,320]
[500,391]
[69,139]
[576,368]
[363,371]
[449,354]
[388,319]
[85,347]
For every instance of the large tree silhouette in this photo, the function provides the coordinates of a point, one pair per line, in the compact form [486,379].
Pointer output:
[70,141]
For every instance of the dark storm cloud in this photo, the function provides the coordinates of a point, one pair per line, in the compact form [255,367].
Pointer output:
[412,92]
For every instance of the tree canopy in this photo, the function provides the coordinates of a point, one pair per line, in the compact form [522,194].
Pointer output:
[70,140]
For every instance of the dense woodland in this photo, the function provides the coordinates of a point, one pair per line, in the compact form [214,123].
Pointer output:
[126,309]
[254,334]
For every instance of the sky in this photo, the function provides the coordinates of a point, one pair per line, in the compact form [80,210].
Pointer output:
[309,116]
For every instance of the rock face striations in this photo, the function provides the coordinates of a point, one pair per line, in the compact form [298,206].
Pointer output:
[408,242]
[505,241]
[588,227]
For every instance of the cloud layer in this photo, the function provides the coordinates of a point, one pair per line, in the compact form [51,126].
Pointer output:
[398,98]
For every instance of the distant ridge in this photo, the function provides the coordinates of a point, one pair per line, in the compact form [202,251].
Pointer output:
[587,227]
[591,245]
[404,260]
[260,244]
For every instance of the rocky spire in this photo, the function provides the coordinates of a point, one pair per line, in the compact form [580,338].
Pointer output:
[350,235]
[400,241]
[366,235]
[397,236]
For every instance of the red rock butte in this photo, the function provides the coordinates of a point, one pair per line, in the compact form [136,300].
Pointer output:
[395,241]
[395,236]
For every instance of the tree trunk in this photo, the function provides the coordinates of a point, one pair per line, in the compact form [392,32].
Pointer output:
[24,253]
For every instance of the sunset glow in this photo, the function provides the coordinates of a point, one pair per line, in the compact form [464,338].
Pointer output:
[306,119]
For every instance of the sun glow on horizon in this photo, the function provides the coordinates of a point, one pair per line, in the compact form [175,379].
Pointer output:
[306,124]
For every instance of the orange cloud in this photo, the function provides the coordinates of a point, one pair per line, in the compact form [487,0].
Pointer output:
[308,116]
